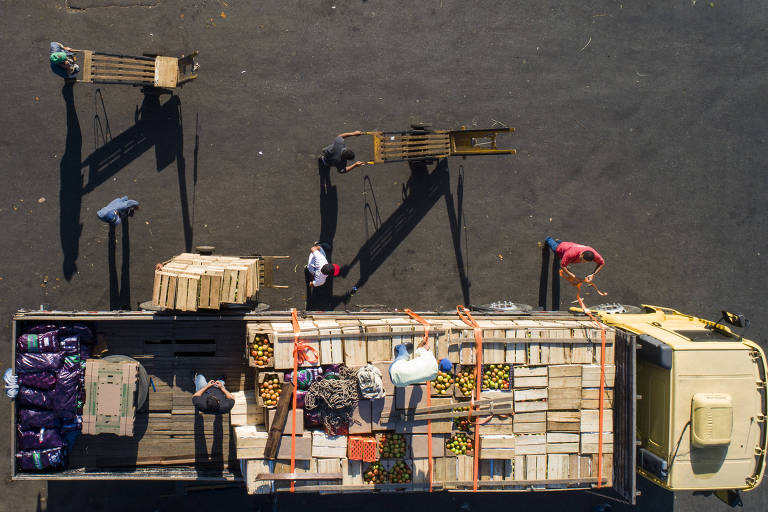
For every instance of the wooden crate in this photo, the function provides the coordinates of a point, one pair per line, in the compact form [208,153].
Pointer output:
[246,410]
[530,422]
[590,377]
[497,446]
[590,398]
[188,282]
[530,400]
[590,442]
[590,420]
[328,446]
[529,377]
[531,444]
[355,346]
[563,421]
[254,329]
[561,442]
[378,340]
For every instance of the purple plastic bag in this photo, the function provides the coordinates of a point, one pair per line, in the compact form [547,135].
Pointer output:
[30,419]
[70,344]
[300,399]
[312,418]
[34,398]
[84,333]
[305,377]
[39,380]
[37,343]
[45,438]
[40,459]
[67,387]
[28,363]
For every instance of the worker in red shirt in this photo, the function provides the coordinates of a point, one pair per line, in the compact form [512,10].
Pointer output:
[569,252]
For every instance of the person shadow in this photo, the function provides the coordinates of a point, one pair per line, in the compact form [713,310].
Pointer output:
[70,186]
[157,126]
[322,298]
[209,464]
[119,289]
[544,277]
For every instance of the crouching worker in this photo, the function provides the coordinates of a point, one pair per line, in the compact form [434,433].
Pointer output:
[404,370]
[212,397]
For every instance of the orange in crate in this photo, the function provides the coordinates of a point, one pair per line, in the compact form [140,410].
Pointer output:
[362,448]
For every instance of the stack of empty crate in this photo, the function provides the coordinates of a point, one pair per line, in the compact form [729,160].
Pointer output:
[551,439]
[189,282]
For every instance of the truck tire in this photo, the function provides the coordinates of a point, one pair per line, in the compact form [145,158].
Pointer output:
[615,307]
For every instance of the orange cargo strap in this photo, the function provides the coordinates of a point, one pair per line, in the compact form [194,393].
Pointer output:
[602,379]
[301,351]
[466,316]
[425,343]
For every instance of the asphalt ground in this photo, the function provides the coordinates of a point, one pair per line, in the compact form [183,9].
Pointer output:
[641,130]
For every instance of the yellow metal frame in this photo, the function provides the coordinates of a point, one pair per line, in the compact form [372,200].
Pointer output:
[423,144]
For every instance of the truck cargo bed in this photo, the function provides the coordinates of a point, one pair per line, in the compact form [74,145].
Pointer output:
[542,446]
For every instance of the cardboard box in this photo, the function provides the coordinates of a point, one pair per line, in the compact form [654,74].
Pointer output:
[411,397]
[361,418]
[383,414]
[110,397]
[269,416]
[420,445]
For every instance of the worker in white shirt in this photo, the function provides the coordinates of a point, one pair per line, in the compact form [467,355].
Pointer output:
[318,266]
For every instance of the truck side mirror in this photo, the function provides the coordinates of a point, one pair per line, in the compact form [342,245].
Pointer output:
[735,319]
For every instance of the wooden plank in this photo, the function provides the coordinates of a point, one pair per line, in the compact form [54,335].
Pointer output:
[352,471]
[531,444]
[166,72]
[590,442]
[536,405]
[518,468]
[566,370]
[276,429]
[170,301]
[530,382]
[252,468]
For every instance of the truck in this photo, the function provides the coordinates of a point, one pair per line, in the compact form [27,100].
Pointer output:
[683,403]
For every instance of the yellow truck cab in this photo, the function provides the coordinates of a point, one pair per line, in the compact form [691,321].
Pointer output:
[701,410]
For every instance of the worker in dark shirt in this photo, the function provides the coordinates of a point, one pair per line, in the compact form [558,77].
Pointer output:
[336,154]
[212,397]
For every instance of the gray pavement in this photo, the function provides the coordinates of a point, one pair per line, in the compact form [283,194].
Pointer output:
[641,129]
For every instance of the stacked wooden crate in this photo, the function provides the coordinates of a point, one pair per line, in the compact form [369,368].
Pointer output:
[189,282]
[552,438]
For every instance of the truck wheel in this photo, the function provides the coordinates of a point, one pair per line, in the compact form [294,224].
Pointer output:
[205,250]
[421,126]
[503,306]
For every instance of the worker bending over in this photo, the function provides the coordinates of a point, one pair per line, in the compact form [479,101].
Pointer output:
[569,253]
[405,370]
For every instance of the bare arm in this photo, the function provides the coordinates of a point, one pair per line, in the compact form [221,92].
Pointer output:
[350,134]
[204,389]
[592,276]
[356,164]
[567,271]
[226,392]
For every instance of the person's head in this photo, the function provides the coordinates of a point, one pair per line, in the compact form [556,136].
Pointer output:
[330,269]
[59,58]
[588,255]
[211,404]
[348,154]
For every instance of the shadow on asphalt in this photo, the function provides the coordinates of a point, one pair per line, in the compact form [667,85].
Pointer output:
[158,126]
[119,288]
[544,277]
[420,194]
